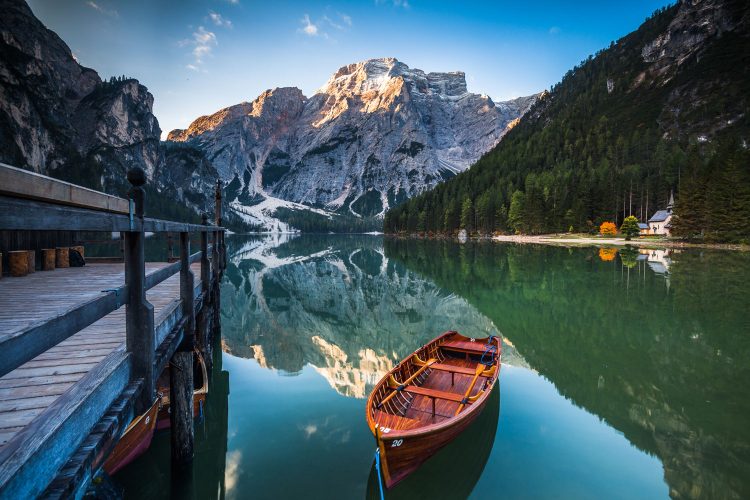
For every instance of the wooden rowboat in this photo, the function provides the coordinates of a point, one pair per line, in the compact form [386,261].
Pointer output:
[134,441]
[430,398]
[200,390]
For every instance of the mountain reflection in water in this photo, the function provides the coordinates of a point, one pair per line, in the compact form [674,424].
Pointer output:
[336,303]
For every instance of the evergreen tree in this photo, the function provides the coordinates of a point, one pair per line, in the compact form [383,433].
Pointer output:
[467,215]
[516,212]
[630,227]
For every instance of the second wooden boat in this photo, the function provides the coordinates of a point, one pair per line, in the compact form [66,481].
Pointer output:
[200,390]
[430,398]
[134,441]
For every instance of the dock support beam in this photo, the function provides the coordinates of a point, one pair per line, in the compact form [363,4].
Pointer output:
[181,367]
[139,313]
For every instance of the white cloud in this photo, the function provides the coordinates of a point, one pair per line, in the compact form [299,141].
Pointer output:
[203,42]
[396,3]
[554,30]
[102,10]
[338,22]
[219,20]
[345,19]
[308,27]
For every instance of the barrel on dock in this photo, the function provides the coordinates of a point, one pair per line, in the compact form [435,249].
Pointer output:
[31,259]
[48,259]
[62,257]
[18,262]
[79,249]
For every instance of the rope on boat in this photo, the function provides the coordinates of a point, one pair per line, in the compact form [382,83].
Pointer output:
[489,349]
[377,470]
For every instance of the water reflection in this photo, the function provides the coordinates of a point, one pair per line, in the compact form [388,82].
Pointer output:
[657,347]
[342,307]
[625,372]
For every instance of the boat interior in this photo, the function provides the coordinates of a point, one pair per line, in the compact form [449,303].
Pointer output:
[436,384]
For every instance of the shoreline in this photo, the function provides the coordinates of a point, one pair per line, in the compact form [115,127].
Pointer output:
[568,240]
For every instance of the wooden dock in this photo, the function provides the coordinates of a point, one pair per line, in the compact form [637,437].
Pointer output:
[81,347]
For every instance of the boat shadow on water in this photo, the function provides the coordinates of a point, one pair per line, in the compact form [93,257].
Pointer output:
[454,470]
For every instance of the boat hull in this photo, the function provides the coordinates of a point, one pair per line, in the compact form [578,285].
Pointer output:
[134,442]
[412,452]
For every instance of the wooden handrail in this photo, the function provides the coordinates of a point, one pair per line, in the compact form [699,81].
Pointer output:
[23,214]
[25,184]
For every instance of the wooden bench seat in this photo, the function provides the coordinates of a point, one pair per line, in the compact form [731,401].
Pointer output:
[453,369]
[433,393]
[465,346]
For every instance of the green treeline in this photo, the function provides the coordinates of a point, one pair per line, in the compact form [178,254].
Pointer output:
[612,140]
[308,221]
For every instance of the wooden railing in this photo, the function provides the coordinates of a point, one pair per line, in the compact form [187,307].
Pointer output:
[32,202]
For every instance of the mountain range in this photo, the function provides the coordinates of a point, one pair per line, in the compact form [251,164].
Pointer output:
[377,133]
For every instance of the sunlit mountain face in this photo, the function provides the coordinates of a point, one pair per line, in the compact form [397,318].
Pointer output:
[340,306]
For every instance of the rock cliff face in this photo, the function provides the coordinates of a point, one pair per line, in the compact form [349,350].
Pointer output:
[59,118]
[375,134]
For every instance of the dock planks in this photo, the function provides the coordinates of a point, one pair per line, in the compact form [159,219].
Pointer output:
[26,391]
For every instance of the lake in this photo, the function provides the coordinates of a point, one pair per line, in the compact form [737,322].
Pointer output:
[625,372]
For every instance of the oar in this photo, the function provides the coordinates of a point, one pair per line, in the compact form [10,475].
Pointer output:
[405,383]
[477,373]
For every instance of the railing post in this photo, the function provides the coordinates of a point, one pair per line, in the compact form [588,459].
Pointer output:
[221,261]
[170,248]
[139,313]
[187,292]
[205,263]
[181,367]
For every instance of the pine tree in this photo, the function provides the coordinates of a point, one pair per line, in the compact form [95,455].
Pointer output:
[516,212]
[630,227]
[467,215]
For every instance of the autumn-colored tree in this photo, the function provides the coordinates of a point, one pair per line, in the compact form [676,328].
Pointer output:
[629,227]
[608,229]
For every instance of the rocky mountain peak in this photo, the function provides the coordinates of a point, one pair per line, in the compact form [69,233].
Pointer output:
[383,74]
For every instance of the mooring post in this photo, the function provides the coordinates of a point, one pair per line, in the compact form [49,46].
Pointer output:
[205,263]
[139,313]
[181,367]
[202,333]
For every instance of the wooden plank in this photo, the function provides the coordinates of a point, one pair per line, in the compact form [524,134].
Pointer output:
[26,403]
[49,370]
[25,184]
[31,459]
[43,380]
[18,418]
[19,347]
[36,391]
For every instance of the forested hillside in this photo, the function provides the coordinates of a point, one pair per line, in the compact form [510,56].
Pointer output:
[663,109]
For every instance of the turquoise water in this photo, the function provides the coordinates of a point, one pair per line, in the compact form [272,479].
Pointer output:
[625,374]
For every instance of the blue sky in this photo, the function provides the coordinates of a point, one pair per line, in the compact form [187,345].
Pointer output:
[197,56]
